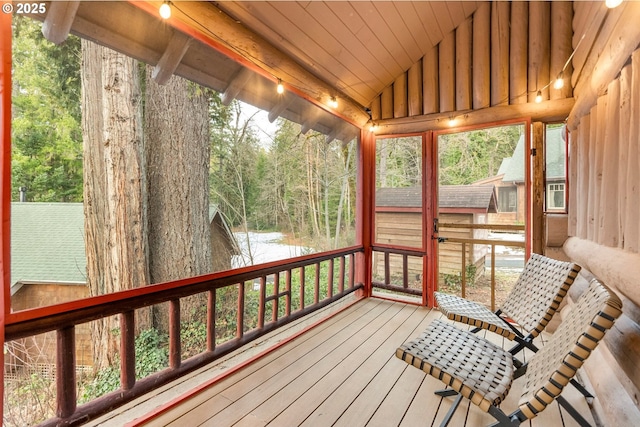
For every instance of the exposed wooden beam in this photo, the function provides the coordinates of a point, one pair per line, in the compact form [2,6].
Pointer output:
[60,16]
[235,86]
[282,104]
[171,57]
[548,112]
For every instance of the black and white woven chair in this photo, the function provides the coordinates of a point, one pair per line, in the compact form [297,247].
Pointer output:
[483,372]
[534,299]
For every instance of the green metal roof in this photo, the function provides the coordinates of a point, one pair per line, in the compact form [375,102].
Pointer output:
[47,243]
[513,169]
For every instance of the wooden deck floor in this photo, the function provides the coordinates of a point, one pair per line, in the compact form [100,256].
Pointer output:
[344,373]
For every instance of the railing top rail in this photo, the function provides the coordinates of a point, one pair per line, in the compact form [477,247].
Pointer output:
[44,319]
[500,227]
[518,243]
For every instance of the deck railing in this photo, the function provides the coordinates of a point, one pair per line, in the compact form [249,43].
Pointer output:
[339,279]
[398,278]
[444,239]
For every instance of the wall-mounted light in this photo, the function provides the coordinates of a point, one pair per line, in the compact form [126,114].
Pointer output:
[333,102]
[612,3]
[539,97]
[452,121]
[280,87]
[165,10]
[372,126]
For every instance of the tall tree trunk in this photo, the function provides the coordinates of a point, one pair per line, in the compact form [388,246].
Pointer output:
[177,151]
[343,193]
[115,234]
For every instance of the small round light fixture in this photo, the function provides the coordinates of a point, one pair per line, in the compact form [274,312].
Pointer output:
[165,10]
[539,97]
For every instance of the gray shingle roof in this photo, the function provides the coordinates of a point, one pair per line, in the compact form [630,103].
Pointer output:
[449,196]
[555,169]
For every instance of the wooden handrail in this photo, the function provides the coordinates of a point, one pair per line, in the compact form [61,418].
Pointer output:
[63,318]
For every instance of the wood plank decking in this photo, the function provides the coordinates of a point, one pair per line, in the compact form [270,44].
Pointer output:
[342,373]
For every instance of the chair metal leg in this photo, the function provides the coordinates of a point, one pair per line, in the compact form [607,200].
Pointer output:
[504,420]
[451,410]
[572,411]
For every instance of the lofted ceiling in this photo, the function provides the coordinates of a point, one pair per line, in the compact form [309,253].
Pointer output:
[359,47]
[351,50]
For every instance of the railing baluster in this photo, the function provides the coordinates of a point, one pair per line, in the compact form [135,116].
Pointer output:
[66,371]
[405,271]
[127,350]
[240,316]
[330,279]
[276,301]
[211,320]
[174,334]
[316,286]
[352,263]
[387,268]
[341,281]
[302,285]
[287,312]
[463,271]
[261,305]
[493,277]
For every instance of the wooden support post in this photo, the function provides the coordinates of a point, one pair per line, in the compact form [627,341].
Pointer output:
[500,53]
[482,56]
[262,301]
[463,65]
[537,197]
[519,53]
[463,270]
[276,292]
[127,350]
[446,62]
[302,287]
[316,285]
[240,316]
[430,82]
[66,372]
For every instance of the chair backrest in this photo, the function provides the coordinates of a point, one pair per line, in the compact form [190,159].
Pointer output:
[551,368]
[538,292]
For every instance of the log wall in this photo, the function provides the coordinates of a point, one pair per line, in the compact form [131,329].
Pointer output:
[497,57]
[604,198]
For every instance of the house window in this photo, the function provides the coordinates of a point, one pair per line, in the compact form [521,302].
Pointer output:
[507,199]
[555,196]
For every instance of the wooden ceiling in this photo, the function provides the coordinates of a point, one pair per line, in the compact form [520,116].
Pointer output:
[319,49]
[359,47]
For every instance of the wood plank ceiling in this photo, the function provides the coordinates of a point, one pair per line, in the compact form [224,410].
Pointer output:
[319,49]
[359,47]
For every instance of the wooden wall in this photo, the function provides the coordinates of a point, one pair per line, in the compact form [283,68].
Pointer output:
[501,55]
[604,190]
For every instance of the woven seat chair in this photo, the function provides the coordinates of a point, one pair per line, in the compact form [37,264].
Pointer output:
[534,299]
[483,372]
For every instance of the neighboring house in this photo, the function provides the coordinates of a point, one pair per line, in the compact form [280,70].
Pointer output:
[398,222]
[509,181]
[48,261]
